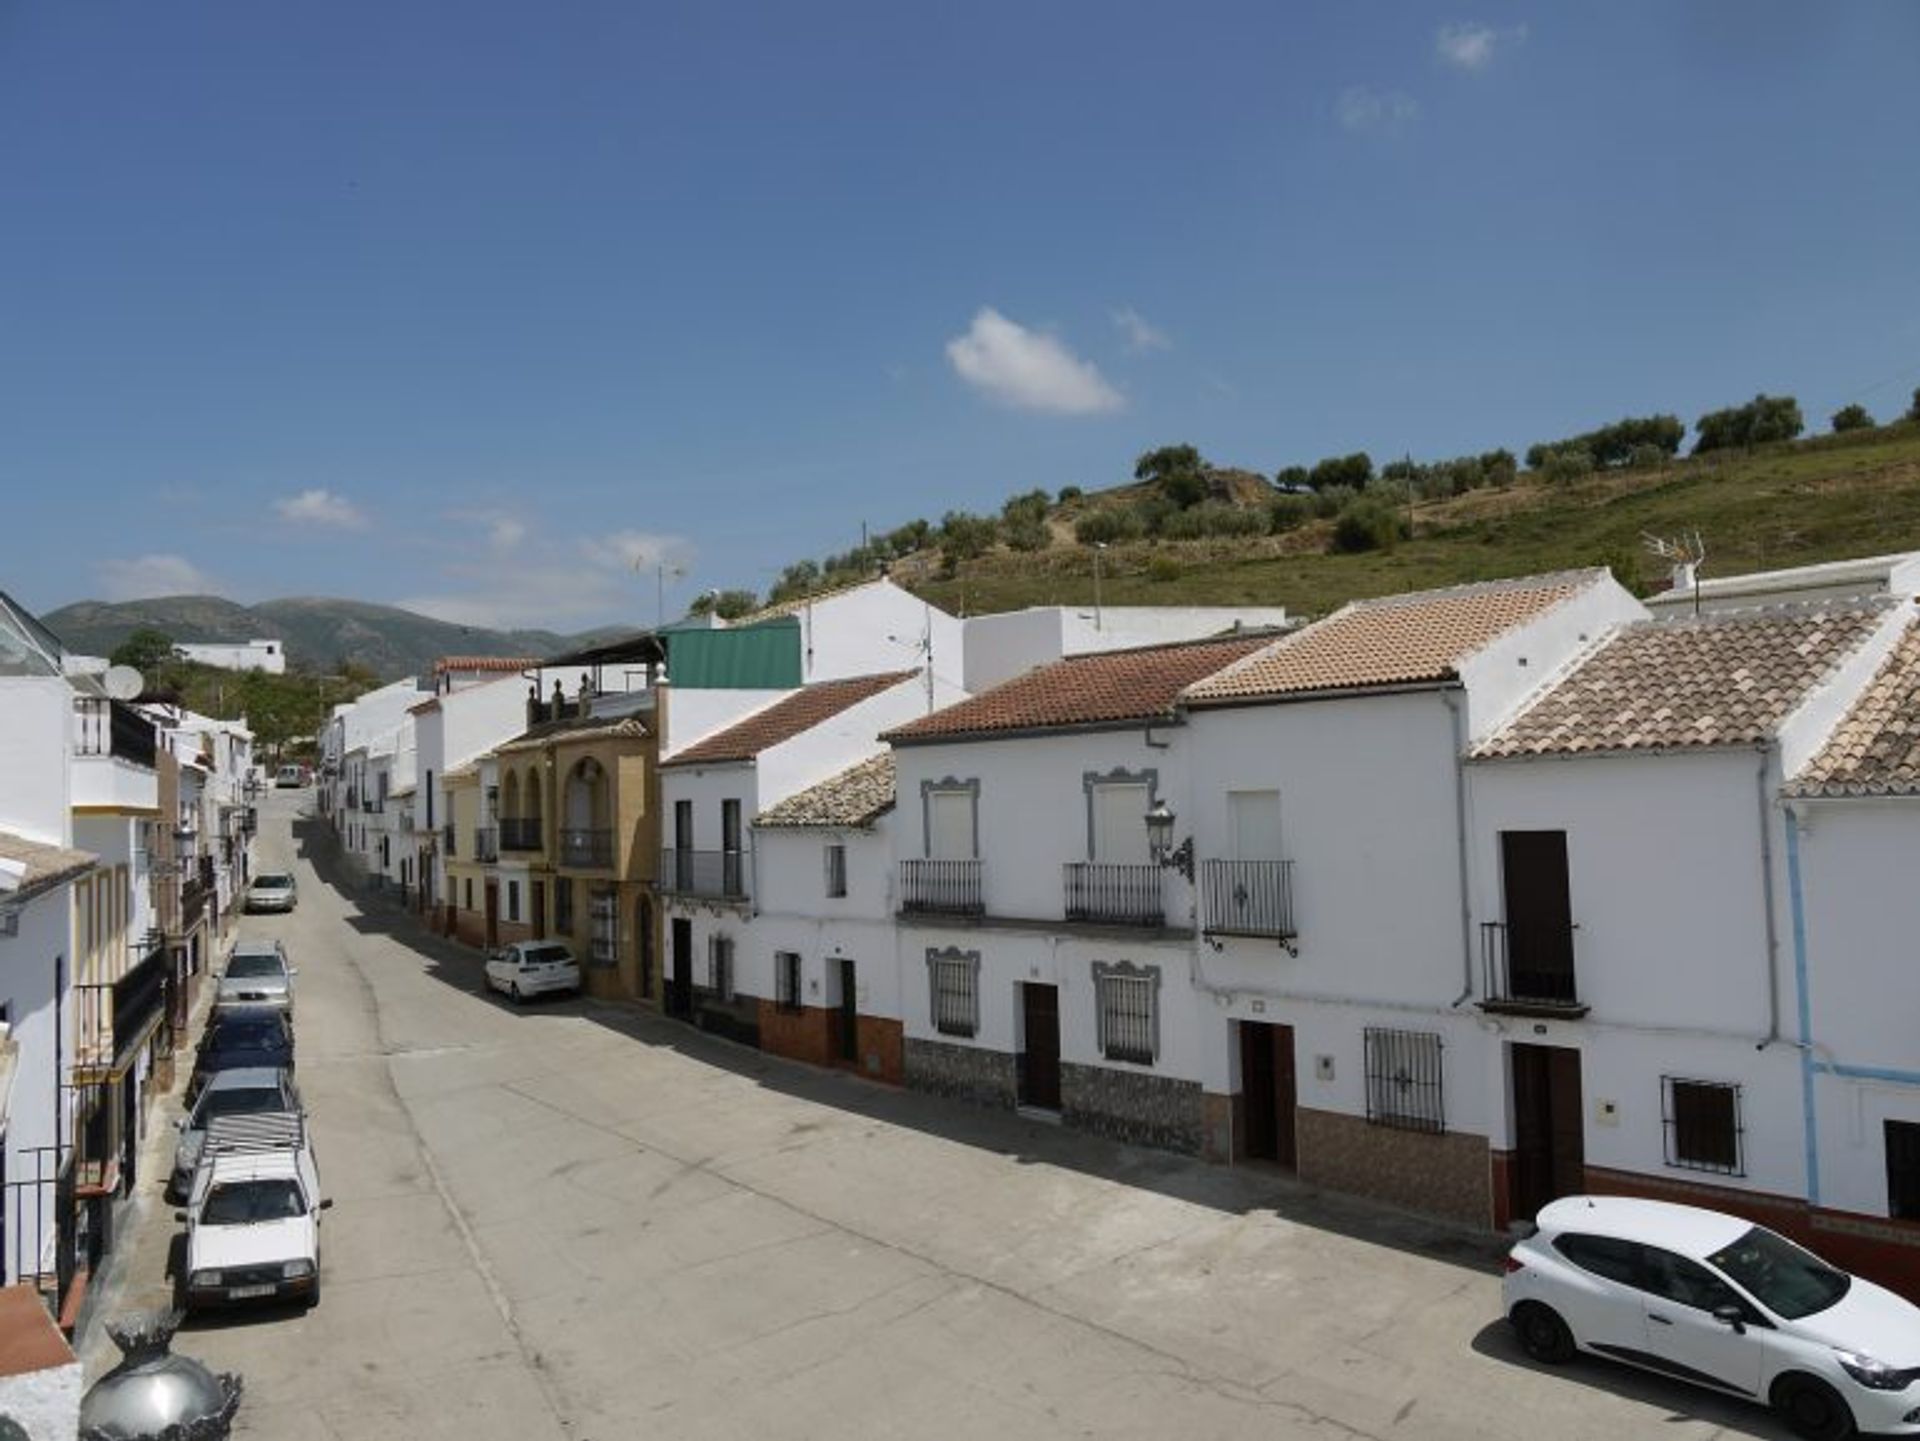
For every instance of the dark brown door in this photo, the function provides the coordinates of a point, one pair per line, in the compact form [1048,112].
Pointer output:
[539,910]
[847,1020]
[1533,869]
[492,889]
[1267,1092]
[643,924]
[1040,1061]
[680,991]
[1549,1145]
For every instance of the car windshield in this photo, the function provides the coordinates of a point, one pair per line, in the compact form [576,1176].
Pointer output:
[247,1033]
[541,955]
[242,968]
[245,1202]
[1786,1280]
[272,883]
[238,1101]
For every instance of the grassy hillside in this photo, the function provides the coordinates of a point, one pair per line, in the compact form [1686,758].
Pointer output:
[1783,505]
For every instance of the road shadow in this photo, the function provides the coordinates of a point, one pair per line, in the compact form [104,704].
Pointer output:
[1234,1190]
[1682,1403]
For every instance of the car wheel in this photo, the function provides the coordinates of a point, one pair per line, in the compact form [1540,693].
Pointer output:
[513,992]
[1812,1408]
[1543,1335]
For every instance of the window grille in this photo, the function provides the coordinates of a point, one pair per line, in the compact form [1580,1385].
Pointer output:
[603,919]
[836,870]
[953,981]
[1129,1011]
[1404,1080]
[1702,1122]
[1903,1170]
[720,967]
[786,980]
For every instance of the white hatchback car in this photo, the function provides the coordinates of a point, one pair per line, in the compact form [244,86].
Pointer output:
[1721,1302]
[533,968]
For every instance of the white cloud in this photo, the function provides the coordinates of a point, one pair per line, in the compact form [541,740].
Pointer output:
[1029,369]
[1367,111]
[505,530]
[560,585]
[144,576]
[320,507]
[1473,46]
[1140,336]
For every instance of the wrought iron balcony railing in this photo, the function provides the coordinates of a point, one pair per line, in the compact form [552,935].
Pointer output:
[1248,898]
[1113,893]
[724,875]
[520,833]
[1528,969]
[590,850]
[486,843]
[941,887]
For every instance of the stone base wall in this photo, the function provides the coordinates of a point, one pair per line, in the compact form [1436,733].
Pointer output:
[962,1073]
[799,1035]
[470,928]
[1137,1107]
[511,931]
[1448,1175]
[737,1019]
[1225,1128]
[881,1044]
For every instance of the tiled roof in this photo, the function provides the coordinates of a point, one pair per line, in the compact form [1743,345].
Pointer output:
[1875,750]
[47,865]
[1726,678]
[486,662]
[1395,640]
[575,728]
[1102,688]
[785,719]
[858,796]
[801,602]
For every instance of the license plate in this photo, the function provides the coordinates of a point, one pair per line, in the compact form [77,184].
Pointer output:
[248,1293]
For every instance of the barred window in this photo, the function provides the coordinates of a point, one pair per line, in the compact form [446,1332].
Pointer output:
[1403,1080]
[836,870]
[563,905]
[786,980]
[720,966]
[953,980]
[1702,1124]
[1129,1011]
[513,900]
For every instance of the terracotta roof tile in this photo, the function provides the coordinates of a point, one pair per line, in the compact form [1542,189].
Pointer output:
[858,796]
[486,662]
[47,865]
[1394,640]
[1728,678]
[1875,750]
[785,719]
[576,728]
[1103,688]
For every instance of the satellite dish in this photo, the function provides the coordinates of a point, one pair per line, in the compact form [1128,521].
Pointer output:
[123,682]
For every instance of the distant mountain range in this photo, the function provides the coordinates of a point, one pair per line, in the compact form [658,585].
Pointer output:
[320,634]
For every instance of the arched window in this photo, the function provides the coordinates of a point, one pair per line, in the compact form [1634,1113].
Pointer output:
[587,807]
[533,795]
[510,797]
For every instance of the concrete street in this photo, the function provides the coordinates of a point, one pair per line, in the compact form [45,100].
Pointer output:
[582,1221]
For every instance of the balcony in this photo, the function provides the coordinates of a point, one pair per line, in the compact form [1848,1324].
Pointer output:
[447,842]
[520,834]
[486,843]
[1104,893]
[586,850]
[1248,898]
[1527,970]
[718,875]
[941,888]
[112,1017]
[113,748]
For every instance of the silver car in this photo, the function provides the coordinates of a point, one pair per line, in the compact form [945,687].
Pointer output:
[275,892]
[244,1091]
[257,974]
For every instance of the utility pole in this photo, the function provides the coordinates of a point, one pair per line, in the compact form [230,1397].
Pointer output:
[1099,548]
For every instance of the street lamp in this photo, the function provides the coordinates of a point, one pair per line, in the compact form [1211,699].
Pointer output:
[1160,841]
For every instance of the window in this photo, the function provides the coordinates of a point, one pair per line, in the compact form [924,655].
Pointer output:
[950,812]
[563,905]
[953,981]
[720,966]
[683,825]
[1702,1124]
[1675,1278]
[603,919]
[1404,1081]
[513,900]
[469,905]
[786,980]
[1117,820]
[836,870]
[1903,1170]
[1129,1011]
[1604,1256]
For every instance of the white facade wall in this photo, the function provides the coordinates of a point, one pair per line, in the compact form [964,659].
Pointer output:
[694,714]
[36,981]
[794,913]
[1001,646]
[836,743]
[1501,676]
[36,716]
[875,628]
[263,655]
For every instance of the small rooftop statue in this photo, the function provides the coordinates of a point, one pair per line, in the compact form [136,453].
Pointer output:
[154,1395]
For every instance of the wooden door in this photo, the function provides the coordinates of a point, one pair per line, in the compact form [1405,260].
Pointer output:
[1549,1145]
[539,889]
[1040,1059]
[643,926]
[848,1016]
[492,890]
[680,991]
[1267,1092]
[1533,869]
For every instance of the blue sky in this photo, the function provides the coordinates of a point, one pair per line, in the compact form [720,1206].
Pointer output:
[476,307]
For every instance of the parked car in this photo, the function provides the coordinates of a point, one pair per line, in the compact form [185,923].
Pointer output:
[241,1036]
[253,1214]
[290,777]
[533,968]
[257,974]
[274,892]
[1721,1302]
[243,1091]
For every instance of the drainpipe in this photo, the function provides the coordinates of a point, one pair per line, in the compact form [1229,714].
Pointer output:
[1766,889]
[1453,699]
[1804,1000]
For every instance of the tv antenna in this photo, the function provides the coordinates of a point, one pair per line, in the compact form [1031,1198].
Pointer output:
[1686,552]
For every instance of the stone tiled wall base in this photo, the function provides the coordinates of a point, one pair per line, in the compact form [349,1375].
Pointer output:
[1225,1139]
[1448,1175]
[737,1019]
[1882,1250]
[1137,1107]
[882,1043]
[470,927]
[799,1035]
[962,1073]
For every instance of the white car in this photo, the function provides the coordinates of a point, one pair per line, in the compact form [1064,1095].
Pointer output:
[257,974]
[1720,1302]
[253,1214]
[273,892]
[533,968]
[243,1091]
